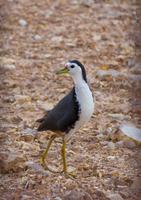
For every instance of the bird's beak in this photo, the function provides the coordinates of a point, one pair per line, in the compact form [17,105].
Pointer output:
[63,71]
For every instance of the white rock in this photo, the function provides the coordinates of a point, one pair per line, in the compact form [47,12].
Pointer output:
[96,37]
[47,55]
[115,197]
[57,198]
[9,66]
[23,22]
[111,157]
[57,39]
[104,143]
[25,197]
[5,60]
[131,131]
[100,136]
[37,37]
[118,116]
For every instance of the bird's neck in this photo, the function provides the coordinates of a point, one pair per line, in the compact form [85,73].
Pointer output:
[78,80]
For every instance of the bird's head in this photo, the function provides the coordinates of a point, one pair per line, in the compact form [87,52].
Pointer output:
[75,69]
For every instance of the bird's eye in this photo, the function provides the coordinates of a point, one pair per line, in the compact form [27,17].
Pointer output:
[72,66]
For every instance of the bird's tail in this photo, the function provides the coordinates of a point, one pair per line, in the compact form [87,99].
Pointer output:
[42,126]
[40,120]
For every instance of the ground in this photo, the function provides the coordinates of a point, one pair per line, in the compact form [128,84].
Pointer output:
[37,39]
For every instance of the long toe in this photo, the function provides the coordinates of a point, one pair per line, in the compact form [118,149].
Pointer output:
[42,161]
[71,175]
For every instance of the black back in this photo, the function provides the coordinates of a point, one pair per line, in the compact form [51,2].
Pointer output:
[63,116]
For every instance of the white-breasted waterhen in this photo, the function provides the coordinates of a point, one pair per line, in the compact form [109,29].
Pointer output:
[72,112]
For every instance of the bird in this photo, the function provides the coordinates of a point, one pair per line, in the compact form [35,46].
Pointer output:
[71,112]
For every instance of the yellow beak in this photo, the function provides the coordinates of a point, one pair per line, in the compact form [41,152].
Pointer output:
[63,71]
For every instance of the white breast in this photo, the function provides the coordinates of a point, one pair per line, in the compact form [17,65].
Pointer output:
[86,102]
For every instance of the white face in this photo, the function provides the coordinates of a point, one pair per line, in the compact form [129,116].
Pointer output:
[74,69]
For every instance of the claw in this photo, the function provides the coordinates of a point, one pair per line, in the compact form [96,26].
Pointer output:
[71,175]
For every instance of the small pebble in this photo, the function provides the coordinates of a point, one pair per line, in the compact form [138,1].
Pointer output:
[100,136]
[104,143]
[111,157]
[115,197]
[25,197]
[37,37]
[23,22]
[111,145]
[57,198]
[9,66]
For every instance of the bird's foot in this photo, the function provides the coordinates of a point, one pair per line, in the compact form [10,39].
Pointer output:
[71,174]
[68,174]
[42,161]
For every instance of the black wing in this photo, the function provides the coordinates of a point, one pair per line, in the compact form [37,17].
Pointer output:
[63,116]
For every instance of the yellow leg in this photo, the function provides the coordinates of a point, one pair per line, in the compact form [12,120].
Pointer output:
[44,155]
[64,156]
[65,168]
[63,150]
